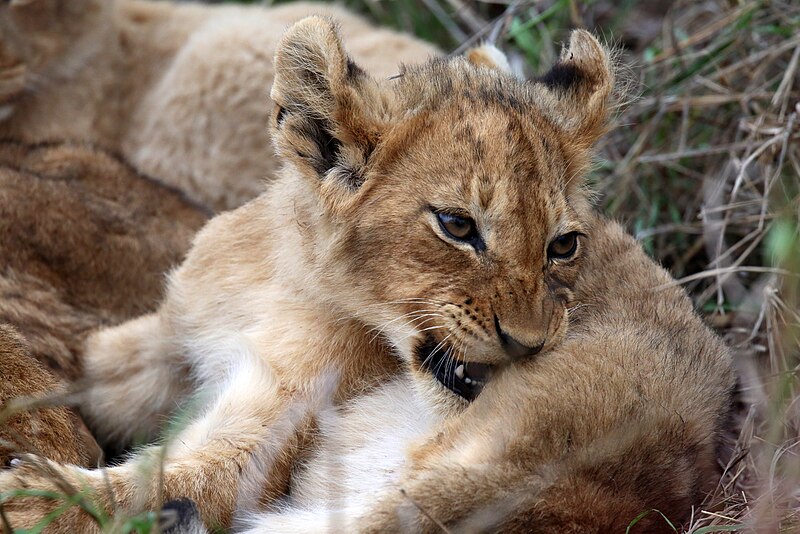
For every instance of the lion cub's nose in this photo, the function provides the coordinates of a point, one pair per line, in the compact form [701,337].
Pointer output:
[514,348]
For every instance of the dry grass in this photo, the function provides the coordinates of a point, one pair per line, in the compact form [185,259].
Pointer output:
[713,151]
[706,171]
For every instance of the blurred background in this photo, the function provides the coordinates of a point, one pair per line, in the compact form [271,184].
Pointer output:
[704,168]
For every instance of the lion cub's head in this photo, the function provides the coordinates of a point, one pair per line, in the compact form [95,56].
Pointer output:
[447,204]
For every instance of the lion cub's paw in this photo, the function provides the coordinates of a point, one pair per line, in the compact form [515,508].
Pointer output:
[181,516]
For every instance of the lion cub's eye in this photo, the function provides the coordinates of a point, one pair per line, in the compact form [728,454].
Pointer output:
[564,246]
[457,227]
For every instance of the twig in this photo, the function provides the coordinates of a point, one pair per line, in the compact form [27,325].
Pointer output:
[729,270]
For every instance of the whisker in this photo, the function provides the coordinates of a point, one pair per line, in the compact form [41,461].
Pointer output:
[387,323]
[425,321]
[435,327]
[444,362]
[407,323]
[578,306]
[435,349]
[450,373]
[461,353]
[410,300]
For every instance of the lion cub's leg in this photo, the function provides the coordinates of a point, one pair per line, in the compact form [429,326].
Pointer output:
[236,454]
[134,378]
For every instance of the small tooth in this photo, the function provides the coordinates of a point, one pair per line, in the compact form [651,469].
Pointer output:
[460,371]
[467,380]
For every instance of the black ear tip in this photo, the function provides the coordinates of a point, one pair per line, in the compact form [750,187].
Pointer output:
[562,76]
[280,115]
[585,65]
[354,71]
[181,516]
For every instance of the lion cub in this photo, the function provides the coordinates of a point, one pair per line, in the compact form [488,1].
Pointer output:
[435,224]
[180,89]
[623,417]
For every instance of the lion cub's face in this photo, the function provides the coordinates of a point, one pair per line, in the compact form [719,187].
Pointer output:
[452,196]
[474,236]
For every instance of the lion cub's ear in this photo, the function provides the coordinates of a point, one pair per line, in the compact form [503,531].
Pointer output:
[577,90]
[327,118]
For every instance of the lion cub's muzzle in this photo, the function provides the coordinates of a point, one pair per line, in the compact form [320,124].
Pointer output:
[465,379]
[516,350]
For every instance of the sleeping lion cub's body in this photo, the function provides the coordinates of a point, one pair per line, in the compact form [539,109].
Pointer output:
[180,89]
[432,229]
[84,242]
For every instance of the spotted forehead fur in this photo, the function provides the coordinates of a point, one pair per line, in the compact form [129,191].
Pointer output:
[576,93]
[440,81]
[503,159]
[505,145]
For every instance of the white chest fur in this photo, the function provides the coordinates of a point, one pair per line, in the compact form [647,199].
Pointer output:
[362,448]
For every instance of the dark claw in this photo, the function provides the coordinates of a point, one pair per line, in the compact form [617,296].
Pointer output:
[181,516]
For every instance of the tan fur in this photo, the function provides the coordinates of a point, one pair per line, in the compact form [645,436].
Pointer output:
[57,433]
[181,90]
[654,388]
[84,241]
[341,277]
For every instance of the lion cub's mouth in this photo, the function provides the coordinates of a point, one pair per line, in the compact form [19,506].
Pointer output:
[465,379]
